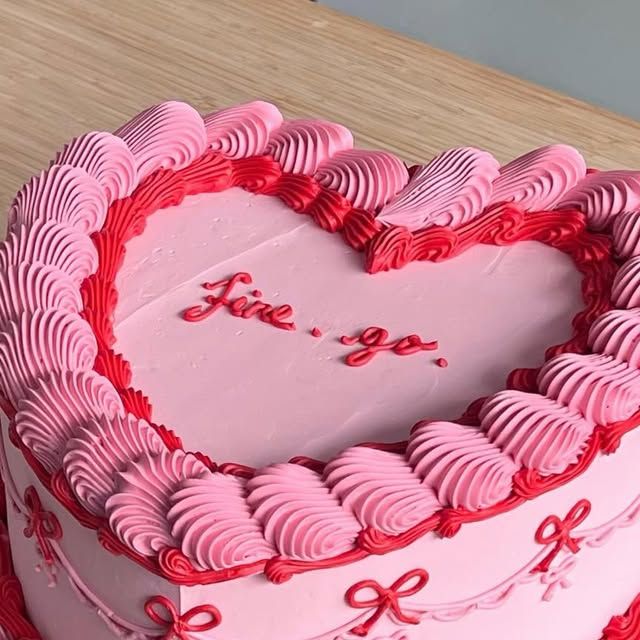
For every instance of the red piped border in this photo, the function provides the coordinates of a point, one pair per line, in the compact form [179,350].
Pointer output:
[384,248]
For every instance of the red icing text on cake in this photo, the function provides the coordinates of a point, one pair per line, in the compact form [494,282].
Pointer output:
[374,341]
[241,307]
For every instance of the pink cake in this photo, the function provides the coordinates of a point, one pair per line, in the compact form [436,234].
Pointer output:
[260,384]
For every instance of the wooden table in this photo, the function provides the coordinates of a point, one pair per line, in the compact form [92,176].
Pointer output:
[67,66]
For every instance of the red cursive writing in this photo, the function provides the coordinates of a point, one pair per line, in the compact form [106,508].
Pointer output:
[374,341]
[240,307]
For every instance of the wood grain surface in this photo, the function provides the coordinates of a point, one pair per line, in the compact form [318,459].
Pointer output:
[68,66]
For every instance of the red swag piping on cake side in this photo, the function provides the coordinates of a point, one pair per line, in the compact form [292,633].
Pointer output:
[172,136]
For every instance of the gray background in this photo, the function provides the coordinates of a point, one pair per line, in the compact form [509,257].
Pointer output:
[589,49]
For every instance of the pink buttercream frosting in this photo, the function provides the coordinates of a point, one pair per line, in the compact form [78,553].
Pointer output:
[137,512]
[301,146]
[625,292]
[626,234]
[452,189]
[212,521]
[299,515]
[537,180]
[368,179]
[617,333]
[380,489]
[460,463]
[62,193]
[102,448]
[537,432]
[57,408]
[51,243]
[40,342]
[105,157]
[604,390]
[242,130]
[170,135]
[28,287]
[602,195]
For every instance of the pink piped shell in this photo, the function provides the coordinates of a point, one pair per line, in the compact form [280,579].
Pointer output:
[537,432]
[62,193]
[298,514]
[368,179]
[242,130]
[380,489]
[137,512]
[602,195]
[462,466]
[211,520]
[604,390]
[625,292]
[39,343]
[452,189]
[58,407]
[617,334]
[99,450]
[104,157]
[537,180]
[28,287]
[170,135]
[301,146]
[51,243]
[626,234]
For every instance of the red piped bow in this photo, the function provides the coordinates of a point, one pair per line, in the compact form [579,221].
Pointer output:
[178,627]
[386,599]
[553,530]
[42,524]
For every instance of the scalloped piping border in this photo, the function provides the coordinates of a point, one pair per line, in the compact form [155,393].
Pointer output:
[384,249]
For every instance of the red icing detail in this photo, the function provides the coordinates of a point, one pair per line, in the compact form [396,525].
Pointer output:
[329,210]
[442,363]
[111,252]
[386,600]
[256,293]
[625,626]
[451,520]
[279,570]
[179,626]
[297,191]
[210,173]
[100,298]
[554,531]
[125,221]
[389,249]
[275,316]
[164,188]
[137,403]
[316,332]
[115,367]
[170,439]
[374,341]
[257,174]
[42,524]
[175,566]
[376,542]
[359,227]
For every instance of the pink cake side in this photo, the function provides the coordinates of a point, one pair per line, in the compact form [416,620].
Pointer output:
[303,515]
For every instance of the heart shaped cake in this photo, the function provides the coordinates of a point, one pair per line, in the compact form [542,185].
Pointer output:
[258,383]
